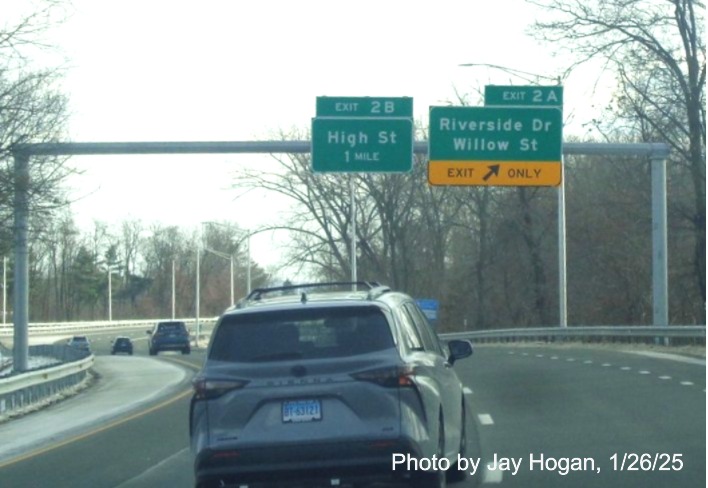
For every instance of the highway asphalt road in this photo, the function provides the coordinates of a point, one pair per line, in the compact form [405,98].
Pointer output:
[552,417]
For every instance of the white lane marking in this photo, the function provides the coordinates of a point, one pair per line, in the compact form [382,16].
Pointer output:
[664,377]
[491,475]
[644,371]
[588,361]
[687,383]
[467,391]
[670,357]
[157,467]
[539,355]
[625,368]
[554,357]
[524,354]
[570,360]
[605,365]
[485,419]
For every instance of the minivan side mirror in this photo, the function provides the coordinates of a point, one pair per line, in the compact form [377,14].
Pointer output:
[459,349]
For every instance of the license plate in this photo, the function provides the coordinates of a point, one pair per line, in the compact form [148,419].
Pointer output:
[302,411]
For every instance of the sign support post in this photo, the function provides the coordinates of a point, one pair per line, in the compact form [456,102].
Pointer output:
[361,134]
[546,96]
[20,347]
[562,277]
[352,228]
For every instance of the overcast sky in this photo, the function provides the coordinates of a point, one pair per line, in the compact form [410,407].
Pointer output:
[170,70]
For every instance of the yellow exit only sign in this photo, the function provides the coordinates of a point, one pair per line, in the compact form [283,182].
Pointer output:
[495,173]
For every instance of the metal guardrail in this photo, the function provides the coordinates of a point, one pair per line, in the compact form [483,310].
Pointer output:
[26,390]
[21,390]
[697,332]
[53,328]
[693,333]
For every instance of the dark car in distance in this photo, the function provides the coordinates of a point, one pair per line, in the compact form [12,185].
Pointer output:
[322,387]
[122,344]
[169,336]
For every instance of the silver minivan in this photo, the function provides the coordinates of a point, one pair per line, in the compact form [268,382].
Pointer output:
[310,387]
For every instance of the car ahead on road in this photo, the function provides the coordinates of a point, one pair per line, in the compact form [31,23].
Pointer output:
[122,344]
[79,342]
[169,336]
[314,386]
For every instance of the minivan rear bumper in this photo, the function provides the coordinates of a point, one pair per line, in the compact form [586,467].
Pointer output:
[307,464]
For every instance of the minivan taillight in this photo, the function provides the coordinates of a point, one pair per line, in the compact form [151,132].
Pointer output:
[390,377]
[206,389]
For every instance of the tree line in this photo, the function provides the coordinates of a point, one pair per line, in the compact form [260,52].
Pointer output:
[147,264]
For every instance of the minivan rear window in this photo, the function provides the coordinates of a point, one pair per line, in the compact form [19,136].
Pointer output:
[301,334]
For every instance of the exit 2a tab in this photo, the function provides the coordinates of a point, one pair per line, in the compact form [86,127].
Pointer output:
[495,173]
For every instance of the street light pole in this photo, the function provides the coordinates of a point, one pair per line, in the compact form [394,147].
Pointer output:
[4,290]
[173,289]
[248,264]
[231,271]
[199,327]
[110,296]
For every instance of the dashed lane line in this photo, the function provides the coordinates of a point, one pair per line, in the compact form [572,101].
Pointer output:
[491,475]
[485,419]
[629,368]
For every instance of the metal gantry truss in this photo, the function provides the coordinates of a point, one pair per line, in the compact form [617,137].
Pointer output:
[657,152]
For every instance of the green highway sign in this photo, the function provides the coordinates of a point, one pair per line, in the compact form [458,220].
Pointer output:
[534,96]
[364,107]
[495,146]
[362,144]
[495,134]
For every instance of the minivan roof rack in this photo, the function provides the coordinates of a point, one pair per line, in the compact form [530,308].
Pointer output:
[258,293]
[377,291]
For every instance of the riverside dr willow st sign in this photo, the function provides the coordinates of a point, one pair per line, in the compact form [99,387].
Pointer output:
[495,146]
[362,134]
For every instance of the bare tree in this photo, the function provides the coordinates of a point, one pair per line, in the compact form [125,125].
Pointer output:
[657,51]
[32,109]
